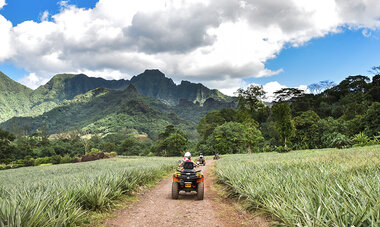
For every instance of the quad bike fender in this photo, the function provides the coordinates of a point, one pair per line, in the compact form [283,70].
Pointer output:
[175,179]
[202,179]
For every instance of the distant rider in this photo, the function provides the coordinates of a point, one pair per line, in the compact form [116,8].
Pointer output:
[201,158]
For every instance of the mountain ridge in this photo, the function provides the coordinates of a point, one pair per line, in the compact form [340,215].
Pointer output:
[152,83]
[102,111]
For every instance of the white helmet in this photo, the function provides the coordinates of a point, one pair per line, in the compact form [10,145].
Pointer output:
[187,155]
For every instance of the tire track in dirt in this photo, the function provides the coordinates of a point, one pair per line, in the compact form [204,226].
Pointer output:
[157,208]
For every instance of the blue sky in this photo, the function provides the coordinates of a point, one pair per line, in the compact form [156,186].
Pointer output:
[19,11]
[333,56]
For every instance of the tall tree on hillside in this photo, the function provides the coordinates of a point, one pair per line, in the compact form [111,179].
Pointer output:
[252,134]
[250,100]
[172,142]
[305,124]
[372,120]
[209,122]
[168,130]
[282,115]
[286,94]
[6,149]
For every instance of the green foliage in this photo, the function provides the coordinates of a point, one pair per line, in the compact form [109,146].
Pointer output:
[361,139]
[283,121]
[131,146]
[250,101]
[209,122]
[93,151]
[308,188]
[63,195]
[266,148]
[339,140]
[109,147]
[372,120]
[6,148]
[305,125]
[174,144]
[232,138]
[71,102]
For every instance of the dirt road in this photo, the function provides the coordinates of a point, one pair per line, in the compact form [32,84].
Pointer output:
[157,208]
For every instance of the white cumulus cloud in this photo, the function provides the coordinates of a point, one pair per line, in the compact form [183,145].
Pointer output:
[2,3]
[216,42]
[33,81]
[271,87]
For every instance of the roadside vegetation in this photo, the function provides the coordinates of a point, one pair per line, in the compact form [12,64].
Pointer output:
[327,187]
[63,195]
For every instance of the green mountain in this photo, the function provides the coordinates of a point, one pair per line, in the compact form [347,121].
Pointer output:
[14,98]
[103,111]
[17,100]
[153,83]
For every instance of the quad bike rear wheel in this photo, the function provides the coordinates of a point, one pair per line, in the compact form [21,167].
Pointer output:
[200,191]
[175,190]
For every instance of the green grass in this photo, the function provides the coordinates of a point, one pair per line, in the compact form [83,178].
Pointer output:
[64,195]
[328,187]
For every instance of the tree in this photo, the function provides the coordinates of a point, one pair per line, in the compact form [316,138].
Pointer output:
[172,142]
[286,94]
[250,100]
[168,130]
[109,147]
[282,115]
[175,144]
[208,123]
[228,138]
[6,149]
[131,146]
[304,125]
[372,120]
[234,137]
[252,134]
[355,84]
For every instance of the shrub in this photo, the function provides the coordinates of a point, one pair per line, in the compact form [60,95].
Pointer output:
[93,151]
[360,139]
[340,141]
[56,159]
[67,159]
[267,148]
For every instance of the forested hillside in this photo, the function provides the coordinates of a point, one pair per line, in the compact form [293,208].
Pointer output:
[18,100]
[102,111]
[14,98]
[337,116]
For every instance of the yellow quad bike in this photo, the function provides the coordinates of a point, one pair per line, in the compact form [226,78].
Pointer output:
[188,180]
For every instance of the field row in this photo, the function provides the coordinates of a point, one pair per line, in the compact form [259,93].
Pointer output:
[62,195]
[327,187]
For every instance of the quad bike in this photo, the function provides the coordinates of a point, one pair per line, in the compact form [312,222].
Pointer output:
[216,156]
[201,161]
[188,180]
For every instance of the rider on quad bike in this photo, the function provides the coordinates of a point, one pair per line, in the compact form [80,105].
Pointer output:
[201,160]
[188,179]
[187,158]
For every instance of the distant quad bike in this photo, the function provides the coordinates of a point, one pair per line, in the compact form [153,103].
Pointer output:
[201,161]
[216,156]
[188,180]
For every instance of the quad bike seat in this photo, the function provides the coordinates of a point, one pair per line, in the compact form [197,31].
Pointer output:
[188,167]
